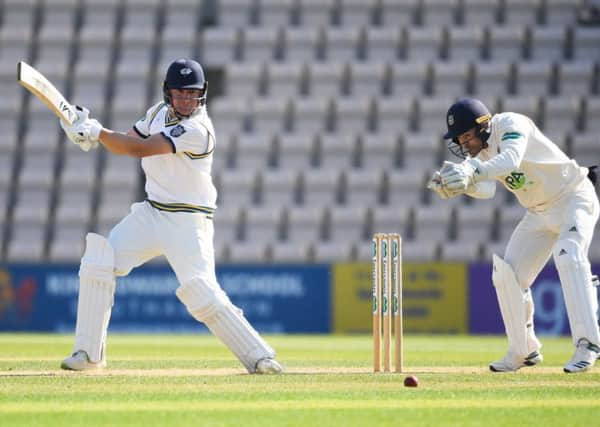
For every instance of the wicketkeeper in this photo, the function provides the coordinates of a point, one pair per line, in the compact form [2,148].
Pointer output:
[175,140]
[562,211]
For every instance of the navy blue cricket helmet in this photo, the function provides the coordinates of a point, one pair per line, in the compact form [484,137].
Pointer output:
[463,115]
[185,74]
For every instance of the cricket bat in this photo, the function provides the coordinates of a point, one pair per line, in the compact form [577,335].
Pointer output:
[35,82]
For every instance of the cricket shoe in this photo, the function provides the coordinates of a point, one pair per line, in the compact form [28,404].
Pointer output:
[584,358]
[512,362]
[267,366]
[79,361]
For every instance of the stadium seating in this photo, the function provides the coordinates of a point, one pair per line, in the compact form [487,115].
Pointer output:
[328,114]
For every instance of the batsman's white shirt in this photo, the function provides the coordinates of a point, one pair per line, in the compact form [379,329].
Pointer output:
[176,219]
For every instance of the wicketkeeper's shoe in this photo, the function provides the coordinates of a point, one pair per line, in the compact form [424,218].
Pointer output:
[268,366]
[584,358]
[79,361]
[512,362]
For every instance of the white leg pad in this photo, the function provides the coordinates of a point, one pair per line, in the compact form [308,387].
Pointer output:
[581,299]
[207,303]
[96,296]
[516,307]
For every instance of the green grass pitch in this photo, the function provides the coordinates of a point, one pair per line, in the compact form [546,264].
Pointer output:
[181,380]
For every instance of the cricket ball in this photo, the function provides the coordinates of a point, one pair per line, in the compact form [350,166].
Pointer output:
[411,381]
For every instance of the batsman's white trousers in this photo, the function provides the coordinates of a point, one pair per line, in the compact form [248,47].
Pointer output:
[185,239]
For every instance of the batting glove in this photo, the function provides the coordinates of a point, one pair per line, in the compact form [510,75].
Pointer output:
[84,132]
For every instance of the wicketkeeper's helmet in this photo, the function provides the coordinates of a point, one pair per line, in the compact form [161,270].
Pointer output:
[463,115]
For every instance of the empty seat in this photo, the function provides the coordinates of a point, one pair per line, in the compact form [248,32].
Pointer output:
[383,44]
[491,78]
[437,13]
[27,243]
[89,88]
[424,44]
[244,79]
[585,43]
[253,151]
[289,251]
[461,251]
[506,43]
[592,112]
[227,223]
[480,12]
[392,218]
[237,187]
[279,187]
[302,44]
[548,43]
[509,218]
[432,223]
[368,79]
[114,205]
[534,78]
[275,13]
[584,148]
[337,151]
[363,187]
[32,206]
[74,206]
[260,44]
[320,187]
[78,170]
[409,78]
[421,150]
[394,115]
[465,44]
[248,252]
[228,114]
[269,115]
[68,242]
[304,224]
[432,114]
[286,79]
[130,92]
[357,13]
[236,13]
[405,187]
[262,224]
[311,115]
[380,150]
[561,114]
[420,250]
[353,115]
[326,79]
[450,79]
[332,251]
[398,13]
[54,49]
[346,224]
[316,13]
[576,78]
[295,151]
[521,12]
[527,105]
[220,46]
[560,13]
[475,221]
[342,44]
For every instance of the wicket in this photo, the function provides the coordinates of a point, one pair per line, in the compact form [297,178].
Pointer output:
[387,286]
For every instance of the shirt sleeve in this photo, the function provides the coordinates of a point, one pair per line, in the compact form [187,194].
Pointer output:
[142,126]
[514,136]
[196,141]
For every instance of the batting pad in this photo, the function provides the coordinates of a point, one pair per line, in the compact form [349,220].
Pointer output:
[580,294]
[96,296]
[516,308]
[207,303]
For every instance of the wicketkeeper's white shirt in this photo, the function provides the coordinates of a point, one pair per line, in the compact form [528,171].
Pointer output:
[527,163]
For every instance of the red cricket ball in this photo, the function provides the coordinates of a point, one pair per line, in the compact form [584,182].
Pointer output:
[411,381]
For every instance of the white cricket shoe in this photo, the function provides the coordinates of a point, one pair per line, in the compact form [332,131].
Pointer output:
[79,361]
[584,358]
[512,362]
[268,366]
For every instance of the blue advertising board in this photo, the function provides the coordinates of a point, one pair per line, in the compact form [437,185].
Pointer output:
[290,299]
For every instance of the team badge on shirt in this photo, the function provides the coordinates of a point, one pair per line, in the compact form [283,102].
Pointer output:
[177,131]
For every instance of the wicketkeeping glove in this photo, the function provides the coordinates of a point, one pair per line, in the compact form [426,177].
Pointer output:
[461,176]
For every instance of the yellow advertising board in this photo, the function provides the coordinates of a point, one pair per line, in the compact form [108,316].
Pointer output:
[434,298]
